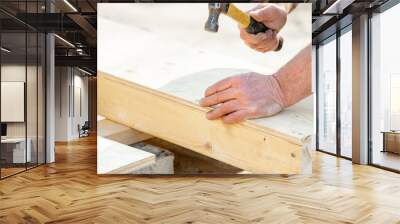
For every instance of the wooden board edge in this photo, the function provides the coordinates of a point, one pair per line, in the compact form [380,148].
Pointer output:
[247,123]
[127,168]
[119,132]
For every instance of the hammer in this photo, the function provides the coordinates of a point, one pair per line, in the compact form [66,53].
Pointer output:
[244,19]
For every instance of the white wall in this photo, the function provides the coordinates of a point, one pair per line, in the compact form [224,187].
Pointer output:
[81,84]
[71,87]
[62,81]
[12,101]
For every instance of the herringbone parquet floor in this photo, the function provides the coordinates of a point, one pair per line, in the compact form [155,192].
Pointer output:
[69,191]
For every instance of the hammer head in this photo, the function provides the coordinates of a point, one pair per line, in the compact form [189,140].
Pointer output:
[214,10]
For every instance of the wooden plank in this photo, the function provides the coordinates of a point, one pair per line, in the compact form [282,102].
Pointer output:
[119,133]
[116,158]
[246,145]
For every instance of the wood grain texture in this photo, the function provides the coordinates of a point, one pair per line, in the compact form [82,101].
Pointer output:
[246,145]
[185,161]
[119,133]
[69,191]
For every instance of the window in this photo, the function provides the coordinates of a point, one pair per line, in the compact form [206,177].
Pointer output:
[327,96]
[346,74]
[385,89]
[22,94]
[394,102]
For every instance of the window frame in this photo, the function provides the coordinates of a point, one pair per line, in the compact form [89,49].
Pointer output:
[334,37]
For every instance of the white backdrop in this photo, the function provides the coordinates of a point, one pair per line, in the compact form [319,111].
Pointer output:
[12,101]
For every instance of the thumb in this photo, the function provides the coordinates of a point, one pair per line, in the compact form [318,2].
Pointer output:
[257,14]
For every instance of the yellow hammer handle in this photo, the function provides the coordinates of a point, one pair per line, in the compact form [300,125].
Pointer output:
[241,17]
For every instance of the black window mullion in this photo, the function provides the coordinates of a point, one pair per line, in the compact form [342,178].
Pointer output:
[369,79]
[37,90]
[338,82]
[26,87]
[317,95]
[44,69]
[1,163]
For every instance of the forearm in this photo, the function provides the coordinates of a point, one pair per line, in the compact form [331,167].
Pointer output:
[294,78]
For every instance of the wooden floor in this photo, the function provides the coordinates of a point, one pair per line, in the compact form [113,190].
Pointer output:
[10,171]
[387,159]
[69,191]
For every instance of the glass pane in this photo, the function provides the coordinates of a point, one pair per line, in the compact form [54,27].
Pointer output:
[31,100]
[13,87]
[346,94]
[327,97]
[386,89]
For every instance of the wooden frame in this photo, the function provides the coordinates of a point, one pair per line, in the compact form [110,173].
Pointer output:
[247,145]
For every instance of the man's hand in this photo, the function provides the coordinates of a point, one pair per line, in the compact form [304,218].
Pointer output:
[273,16]
[253,95]
[249,95]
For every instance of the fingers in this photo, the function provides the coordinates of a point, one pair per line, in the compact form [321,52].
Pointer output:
[271,15]
[253,38]
[235,117]
[262,42]
[274,17]
[258,13]
[265,13]
[273,109]
[219,86]
[223,109]
[250,95]
[218,97]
